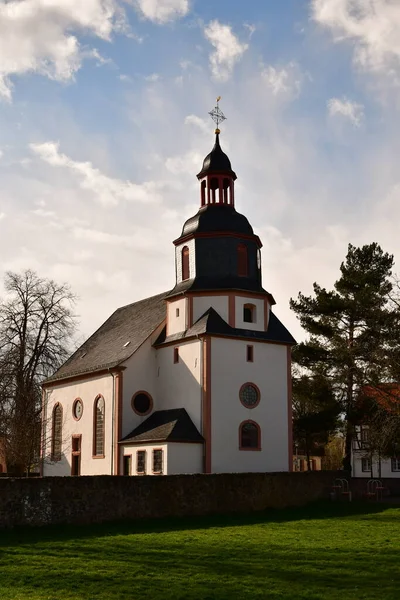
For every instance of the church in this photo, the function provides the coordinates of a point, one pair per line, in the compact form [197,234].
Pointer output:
[194,380]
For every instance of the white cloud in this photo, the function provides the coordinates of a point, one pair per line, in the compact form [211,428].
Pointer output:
[162,11]
[2,215]
[152,78]
[346,108]
[198,122]
[40,36]
[372,26]
[284,81]
[108,191]
[185,164]
[228,49]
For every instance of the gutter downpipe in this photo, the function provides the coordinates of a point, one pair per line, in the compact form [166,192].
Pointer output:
[202,393]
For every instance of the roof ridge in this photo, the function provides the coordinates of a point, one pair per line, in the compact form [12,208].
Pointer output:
[139,301]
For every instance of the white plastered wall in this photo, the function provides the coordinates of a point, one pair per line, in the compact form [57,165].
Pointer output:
[185,458]
[229,372]
[202,303]
[132,450]
[259,324]
[140,374]
[179,385]
[386,467]
[178,458]
[65,394]
[177,323]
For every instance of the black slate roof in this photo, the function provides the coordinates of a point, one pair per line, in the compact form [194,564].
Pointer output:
[212,323]
[213,218]
[173,425]
[106,347]
[202,284]
[216,161]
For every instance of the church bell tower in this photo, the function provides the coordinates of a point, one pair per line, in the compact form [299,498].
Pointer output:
[217,249]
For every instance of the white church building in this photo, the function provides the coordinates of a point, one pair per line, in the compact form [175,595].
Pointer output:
[193,380]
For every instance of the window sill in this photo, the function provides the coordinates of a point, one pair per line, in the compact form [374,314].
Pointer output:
[250,449]
[98,456]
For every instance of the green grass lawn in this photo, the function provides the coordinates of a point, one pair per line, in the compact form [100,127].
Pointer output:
[336,551]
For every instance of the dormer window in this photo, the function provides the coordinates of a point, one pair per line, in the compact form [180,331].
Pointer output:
[185,263]
[242,260]
[249,313]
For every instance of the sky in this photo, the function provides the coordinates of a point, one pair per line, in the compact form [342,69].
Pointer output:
[104,125]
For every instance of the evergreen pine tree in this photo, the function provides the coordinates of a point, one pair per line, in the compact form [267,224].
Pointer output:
[352,330]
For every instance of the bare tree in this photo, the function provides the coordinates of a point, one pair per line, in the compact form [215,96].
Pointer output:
[37,324]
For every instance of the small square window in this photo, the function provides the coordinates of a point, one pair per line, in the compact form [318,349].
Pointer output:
[177,312]
[250,353]
[395,465]
[157,461]
[176,355]
[141,462]
[366,465]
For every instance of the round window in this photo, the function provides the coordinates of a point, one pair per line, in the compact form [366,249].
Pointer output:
[249,395]
[142,403]
[77,409]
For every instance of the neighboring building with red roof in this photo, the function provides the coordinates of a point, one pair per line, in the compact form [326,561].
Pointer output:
[364,462]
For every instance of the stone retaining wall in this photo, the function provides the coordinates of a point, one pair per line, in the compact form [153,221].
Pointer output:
[72,500]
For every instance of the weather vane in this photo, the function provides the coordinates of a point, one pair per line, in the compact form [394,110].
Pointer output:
[217,115]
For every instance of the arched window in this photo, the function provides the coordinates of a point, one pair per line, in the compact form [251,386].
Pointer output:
[226,187]
[214,184]
[203,192]
[56,442]
[185,263]
[98,427]
[249,436]
[249,313]
[242,260]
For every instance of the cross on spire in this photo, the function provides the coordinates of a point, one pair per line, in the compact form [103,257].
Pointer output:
[217,115]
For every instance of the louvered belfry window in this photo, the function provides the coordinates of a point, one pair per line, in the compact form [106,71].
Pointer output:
[98,442]
[185,263]
[57,433]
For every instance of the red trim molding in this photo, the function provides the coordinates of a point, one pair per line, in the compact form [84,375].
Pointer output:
[257,390]
[190,311]
[231,309]
[289,407]
[242,236]
[82,376]
[142,414]
[258,439]
[207,403]
[118,382]
[266,314]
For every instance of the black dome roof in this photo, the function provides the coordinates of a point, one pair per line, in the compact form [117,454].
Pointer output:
[216,161]
[217,217]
